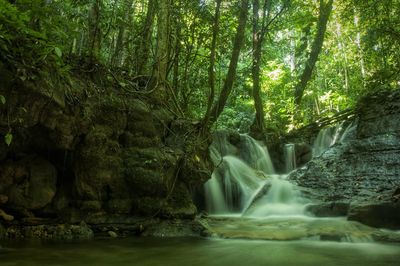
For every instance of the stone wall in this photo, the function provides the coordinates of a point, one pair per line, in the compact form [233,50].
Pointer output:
[83,151]
[360,177]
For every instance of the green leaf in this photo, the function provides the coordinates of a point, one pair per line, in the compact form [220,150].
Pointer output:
[58,51]
[2,99]
[8,138]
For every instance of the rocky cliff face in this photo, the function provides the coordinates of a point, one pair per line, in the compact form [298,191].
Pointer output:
[84,150]
[360,177]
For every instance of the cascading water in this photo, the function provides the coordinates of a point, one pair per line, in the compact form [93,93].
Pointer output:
[244,181]
[290,157]
[231,186]
[329,136]
[270,207]
[325,139]
[255,155]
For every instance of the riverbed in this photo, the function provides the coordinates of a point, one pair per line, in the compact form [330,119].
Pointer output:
[196,251]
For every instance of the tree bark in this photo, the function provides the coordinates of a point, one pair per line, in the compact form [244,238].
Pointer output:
[94,31]
[162,42]
[258,37]
[119,46]
[324,12]
[218,106]
[211,69]
[145,41]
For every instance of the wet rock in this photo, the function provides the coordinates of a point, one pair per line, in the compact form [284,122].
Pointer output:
[386,215]
[36,187]
[330,209]
[6,217]
[303,153]
[3,199]
[53,232]
[361,170]
[120,206]
[386,236]
[2,232]
[396,195]
[90,205]
[234,138]
[112,234]
[97,154]
[173,228]
[330,237]
[7,172]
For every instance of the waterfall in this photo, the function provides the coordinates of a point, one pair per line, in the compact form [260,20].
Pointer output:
[232,184]
[282,199]
[328,137]
[255,155]
[244,181]
[290,157]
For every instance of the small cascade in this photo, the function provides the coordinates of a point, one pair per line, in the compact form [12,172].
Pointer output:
[245,182]
[327,137]
[349,133]
[255,155]
[282,199]
[231,186]
[290,157]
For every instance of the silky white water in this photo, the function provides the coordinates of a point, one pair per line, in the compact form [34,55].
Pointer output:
[248,200]
[327,137]
[244,181]
[290,157]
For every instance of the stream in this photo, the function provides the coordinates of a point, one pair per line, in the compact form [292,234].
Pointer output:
[257,217]
[197,251]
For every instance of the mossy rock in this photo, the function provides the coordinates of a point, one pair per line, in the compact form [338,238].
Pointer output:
[90,205]
[146,181]
[146,127]
[119,206]
[129,140]
[147,206]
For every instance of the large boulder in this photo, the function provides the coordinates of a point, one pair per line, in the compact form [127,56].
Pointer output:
[362,171]
[88,150]
[34,184]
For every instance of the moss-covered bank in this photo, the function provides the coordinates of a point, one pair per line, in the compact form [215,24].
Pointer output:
[85,148]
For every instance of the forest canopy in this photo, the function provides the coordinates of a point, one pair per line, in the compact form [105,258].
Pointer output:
[273,65]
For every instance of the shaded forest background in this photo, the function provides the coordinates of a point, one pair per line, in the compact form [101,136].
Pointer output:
[264,65]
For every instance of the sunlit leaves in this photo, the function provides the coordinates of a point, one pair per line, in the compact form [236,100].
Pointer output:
[58,52]
[8,138]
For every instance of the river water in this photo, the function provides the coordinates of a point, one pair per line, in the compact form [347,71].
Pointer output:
[259,219]
[197,251]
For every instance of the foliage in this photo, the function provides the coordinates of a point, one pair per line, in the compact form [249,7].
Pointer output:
[360,51]
[23,45]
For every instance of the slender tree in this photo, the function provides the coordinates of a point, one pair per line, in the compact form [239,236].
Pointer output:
[119,46]
[259,30]
[94,31]
[145,40]
[211,68]
[324,12]
[219,105]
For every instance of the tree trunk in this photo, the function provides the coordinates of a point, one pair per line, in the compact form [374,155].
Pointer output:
[161,67]
[119,46]
[218,107]
[324,12]
[145,41]
[359,48]
[211,69]
[94,31]
[176,61]
[258,37]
